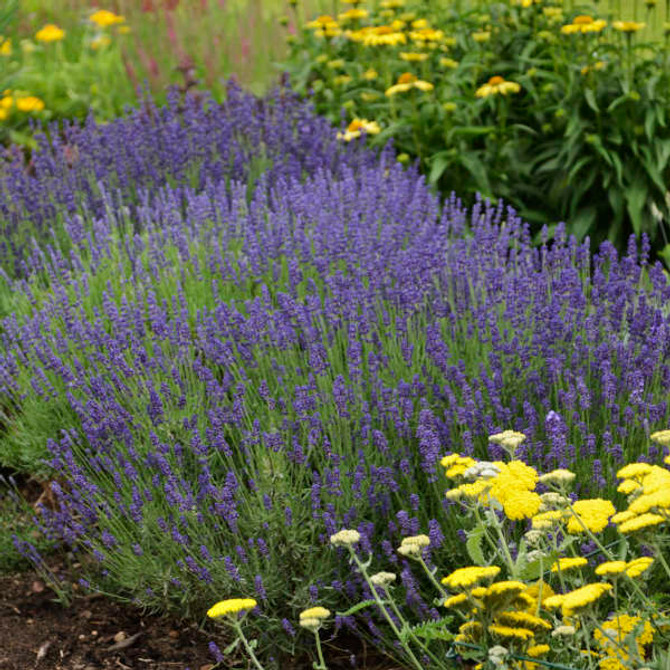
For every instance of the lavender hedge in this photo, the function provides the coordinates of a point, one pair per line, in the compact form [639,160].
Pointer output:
[224,376]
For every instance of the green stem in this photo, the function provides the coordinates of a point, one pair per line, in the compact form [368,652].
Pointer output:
[247,646]
[387,616]
[322,663]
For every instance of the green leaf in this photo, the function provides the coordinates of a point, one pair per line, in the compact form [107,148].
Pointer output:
[478,170]
[636,197]
[438,164]
[591,99]
[474,545]
[471,131]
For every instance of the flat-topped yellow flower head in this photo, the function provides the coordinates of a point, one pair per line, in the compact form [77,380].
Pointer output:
[50,33]
[103,18]
[231,606]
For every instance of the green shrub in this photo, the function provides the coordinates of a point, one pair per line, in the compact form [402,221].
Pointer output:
[579,134]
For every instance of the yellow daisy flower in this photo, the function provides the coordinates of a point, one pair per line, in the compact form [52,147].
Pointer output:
[50,33]
[497,85]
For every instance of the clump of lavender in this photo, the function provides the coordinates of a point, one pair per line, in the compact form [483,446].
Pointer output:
[83,172]
[224,378]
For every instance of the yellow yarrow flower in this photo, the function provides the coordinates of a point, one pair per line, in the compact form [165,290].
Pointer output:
[370,74]
[231,606]
[658,500]
[569,563]
[103,18]
[614,635]
[637,566]
[641,523]
[524,620]
[464,578]
[611,568]
[457,600]
[510,439]
[449,63]
[5,46]
[511,632]
[345,538]
[627,486]
[559,476]
[593,514]
[312,618]
[634,471]
[497,85]
[536,650]
[50,33]
[628,26]
[661,436]
[29,104]
[578,599]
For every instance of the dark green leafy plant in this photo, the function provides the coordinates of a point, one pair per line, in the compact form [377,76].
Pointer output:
[573,128]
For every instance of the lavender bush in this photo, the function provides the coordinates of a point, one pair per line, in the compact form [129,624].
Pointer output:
[225,376]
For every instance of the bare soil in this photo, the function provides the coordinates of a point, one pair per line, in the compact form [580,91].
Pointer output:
[95,633]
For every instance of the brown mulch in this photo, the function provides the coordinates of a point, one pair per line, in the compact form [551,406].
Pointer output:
[95,633]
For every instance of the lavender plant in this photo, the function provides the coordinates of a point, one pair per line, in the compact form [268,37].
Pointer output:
[224,376]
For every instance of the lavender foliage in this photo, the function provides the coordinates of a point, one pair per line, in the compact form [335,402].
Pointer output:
[223,377]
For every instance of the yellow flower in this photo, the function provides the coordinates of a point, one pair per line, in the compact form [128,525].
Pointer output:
[345,538]
[583,597]
[6,102]
[640,523]
[231,606]
[406,82]
[463,578]
[104,18]
[509,631]
[593,514]
[29,104]
[370,74]
[628,485]
[4,114]
[628,26]
[634,471]
[611,568]
[661,436]
[584,24]
[5,46]
[523,619]
[412,57]
[552,12]
[560,476]
[639,565]
[520,504]
[312,616]
[620,517]
[497,85]
[124,30]
[616,635]
[321,22]
[456,601]
[356,128]
[658,500]
[481,36]
[335,64]
[536,650]
[50,33]
[353,14]
[569,563]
